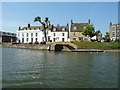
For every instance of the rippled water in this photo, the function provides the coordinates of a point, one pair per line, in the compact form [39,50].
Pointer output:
[37,69]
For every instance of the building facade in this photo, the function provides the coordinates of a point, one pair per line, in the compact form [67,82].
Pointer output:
[60,33]
[76,32]
[114,32]
[98,35]
[7,37]
[32,34]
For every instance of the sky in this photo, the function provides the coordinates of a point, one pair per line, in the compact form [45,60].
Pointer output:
[15,14]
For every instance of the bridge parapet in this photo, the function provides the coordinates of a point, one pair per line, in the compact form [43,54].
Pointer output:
[70,45]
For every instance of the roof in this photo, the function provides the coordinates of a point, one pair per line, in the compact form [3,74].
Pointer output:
[79,27]
[60,28]
[7,34]
[97,32]
[117,25]
[32,27]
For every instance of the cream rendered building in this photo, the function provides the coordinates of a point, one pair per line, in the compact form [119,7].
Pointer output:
[76,32]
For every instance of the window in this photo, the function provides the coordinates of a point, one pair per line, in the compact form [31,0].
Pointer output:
[36,39]
[118,33]
[63,29]
[63,39]
[74,34]
[74,39]
[53,34]
[74,28]
[54,29]
[27,39]
[31,34]
[27,34]
[113,28]
[113,34]
[53,39]
[31,39]
[36,34]
[63,34]
[85,39]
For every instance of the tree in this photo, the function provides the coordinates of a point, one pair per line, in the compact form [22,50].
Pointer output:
[45,25]
[107,37]
[89,30]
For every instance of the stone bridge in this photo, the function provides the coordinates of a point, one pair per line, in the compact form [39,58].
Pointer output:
[60,46]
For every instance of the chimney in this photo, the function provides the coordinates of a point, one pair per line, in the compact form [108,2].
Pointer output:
[110,23]
[89,21]
[28,25]
[67,24]
[58,25]
[71,21]
[19,27]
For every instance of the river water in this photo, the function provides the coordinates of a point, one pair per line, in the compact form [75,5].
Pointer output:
[22,68]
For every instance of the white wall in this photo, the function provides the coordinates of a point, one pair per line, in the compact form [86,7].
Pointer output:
[39,36]
[58,36]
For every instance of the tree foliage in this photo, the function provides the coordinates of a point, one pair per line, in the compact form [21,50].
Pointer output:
[89,30]
[107,37]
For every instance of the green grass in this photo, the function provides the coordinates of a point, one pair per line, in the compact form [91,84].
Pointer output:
[98,45]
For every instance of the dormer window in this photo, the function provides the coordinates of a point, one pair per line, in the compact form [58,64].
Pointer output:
[54,29]
[63,29]
[113,28]
[74,28]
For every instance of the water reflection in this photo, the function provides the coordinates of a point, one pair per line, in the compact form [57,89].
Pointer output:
[34,68]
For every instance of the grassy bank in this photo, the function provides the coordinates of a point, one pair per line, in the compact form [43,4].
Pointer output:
[98,45]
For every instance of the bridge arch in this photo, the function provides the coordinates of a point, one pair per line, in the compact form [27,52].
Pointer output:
[60,47]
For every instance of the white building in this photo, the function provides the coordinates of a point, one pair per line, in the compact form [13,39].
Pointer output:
[35,34]
[60,33]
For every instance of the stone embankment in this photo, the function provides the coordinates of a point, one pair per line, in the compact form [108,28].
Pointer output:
[51,47]
[26,46]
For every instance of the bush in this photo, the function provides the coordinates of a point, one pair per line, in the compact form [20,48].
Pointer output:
[43,43]
[30,42]
[36,42]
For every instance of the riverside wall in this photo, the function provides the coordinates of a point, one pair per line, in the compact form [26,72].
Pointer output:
[26,46]
[50,47]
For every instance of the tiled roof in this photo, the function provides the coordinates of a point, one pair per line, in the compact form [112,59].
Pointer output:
[32,27]
[97,32]
[79,27]
[60,28]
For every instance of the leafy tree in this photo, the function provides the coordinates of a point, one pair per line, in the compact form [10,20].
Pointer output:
[89,30]
[107,37]
[45,24]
